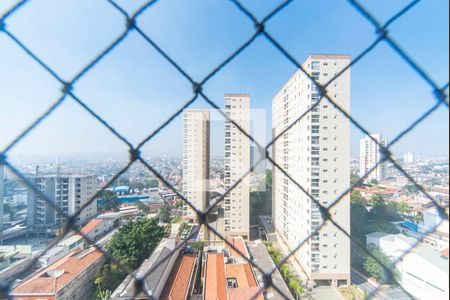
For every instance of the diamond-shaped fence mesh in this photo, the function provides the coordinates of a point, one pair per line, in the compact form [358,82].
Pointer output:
[382,35]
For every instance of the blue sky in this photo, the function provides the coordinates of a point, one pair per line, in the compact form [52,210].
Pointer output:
[135,89]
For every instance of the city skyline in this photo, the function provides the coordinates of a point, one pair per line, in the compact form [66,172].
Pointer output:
[224,150]
[114,80]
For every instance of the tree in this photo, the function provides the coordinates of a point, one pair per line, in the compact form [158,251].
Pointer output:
[199,245]
[143,207]
[354,179]
[179,203]
[153,183]
[296,288]
[434,181]
[385,212]
[165,214]
[377,200]
[379,207]
[383,226]
[123,180]
[356,198]
[374,181]
[109,279]
[418,218]
[285,271]
[135,241]
[104,294]
[109,201]
[403,208]
[375,269]
[359,215]
[411,189]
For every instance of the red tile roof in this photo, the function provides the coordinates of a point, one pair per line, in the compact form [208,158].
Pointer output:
[246,293]
[70,266]
[154,207]
[215,283]
[177,286]
[242,273]
[445,252]
[442,190]
[90,226]
[239,244]
[217,274]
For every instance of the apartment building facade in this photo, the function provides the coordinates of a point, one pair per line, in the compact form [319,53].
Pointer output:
[69,193]
[370,156]
[237,163]
[196,160]
[315,152]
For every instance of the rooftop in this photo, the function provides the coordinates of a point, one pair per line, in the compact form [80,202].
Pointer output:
[330,56]
[404,243]
[177,286]
[410,225]
[242,273]
[126,289]
[53,278]
[234,281]
[89,227]
[110,215]
[237,95]
[246,293]
[215,284]
[239,244]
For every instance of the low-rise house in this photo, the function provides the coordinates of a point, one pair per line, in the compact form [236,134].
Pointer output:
[435,228]
[227,275]
[100,226]
[71,277]
[71,244]
[181,281]
[128,211]
[423,271]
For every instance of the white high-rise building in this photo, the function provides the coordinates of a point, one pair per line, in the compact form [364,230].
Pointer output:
[370,155]
[196,156]
[67,192]
[409,158]
[315,152]
[237,163]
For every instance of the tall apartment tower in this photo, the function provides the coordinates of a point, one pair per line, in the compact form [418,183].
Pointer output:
[315,152]
[370,155]
[237,163]
[196,156]
[69,193]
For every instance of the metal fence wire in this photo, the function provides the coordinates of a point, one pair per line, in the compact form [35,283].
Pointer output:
[382,34]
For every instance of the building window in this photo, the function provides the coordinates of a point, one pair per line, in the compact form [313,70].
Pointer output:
[315,65]
[232,283]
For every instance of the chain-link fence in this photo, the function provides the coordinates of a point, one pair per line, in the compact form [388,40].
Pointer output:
[382,35]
